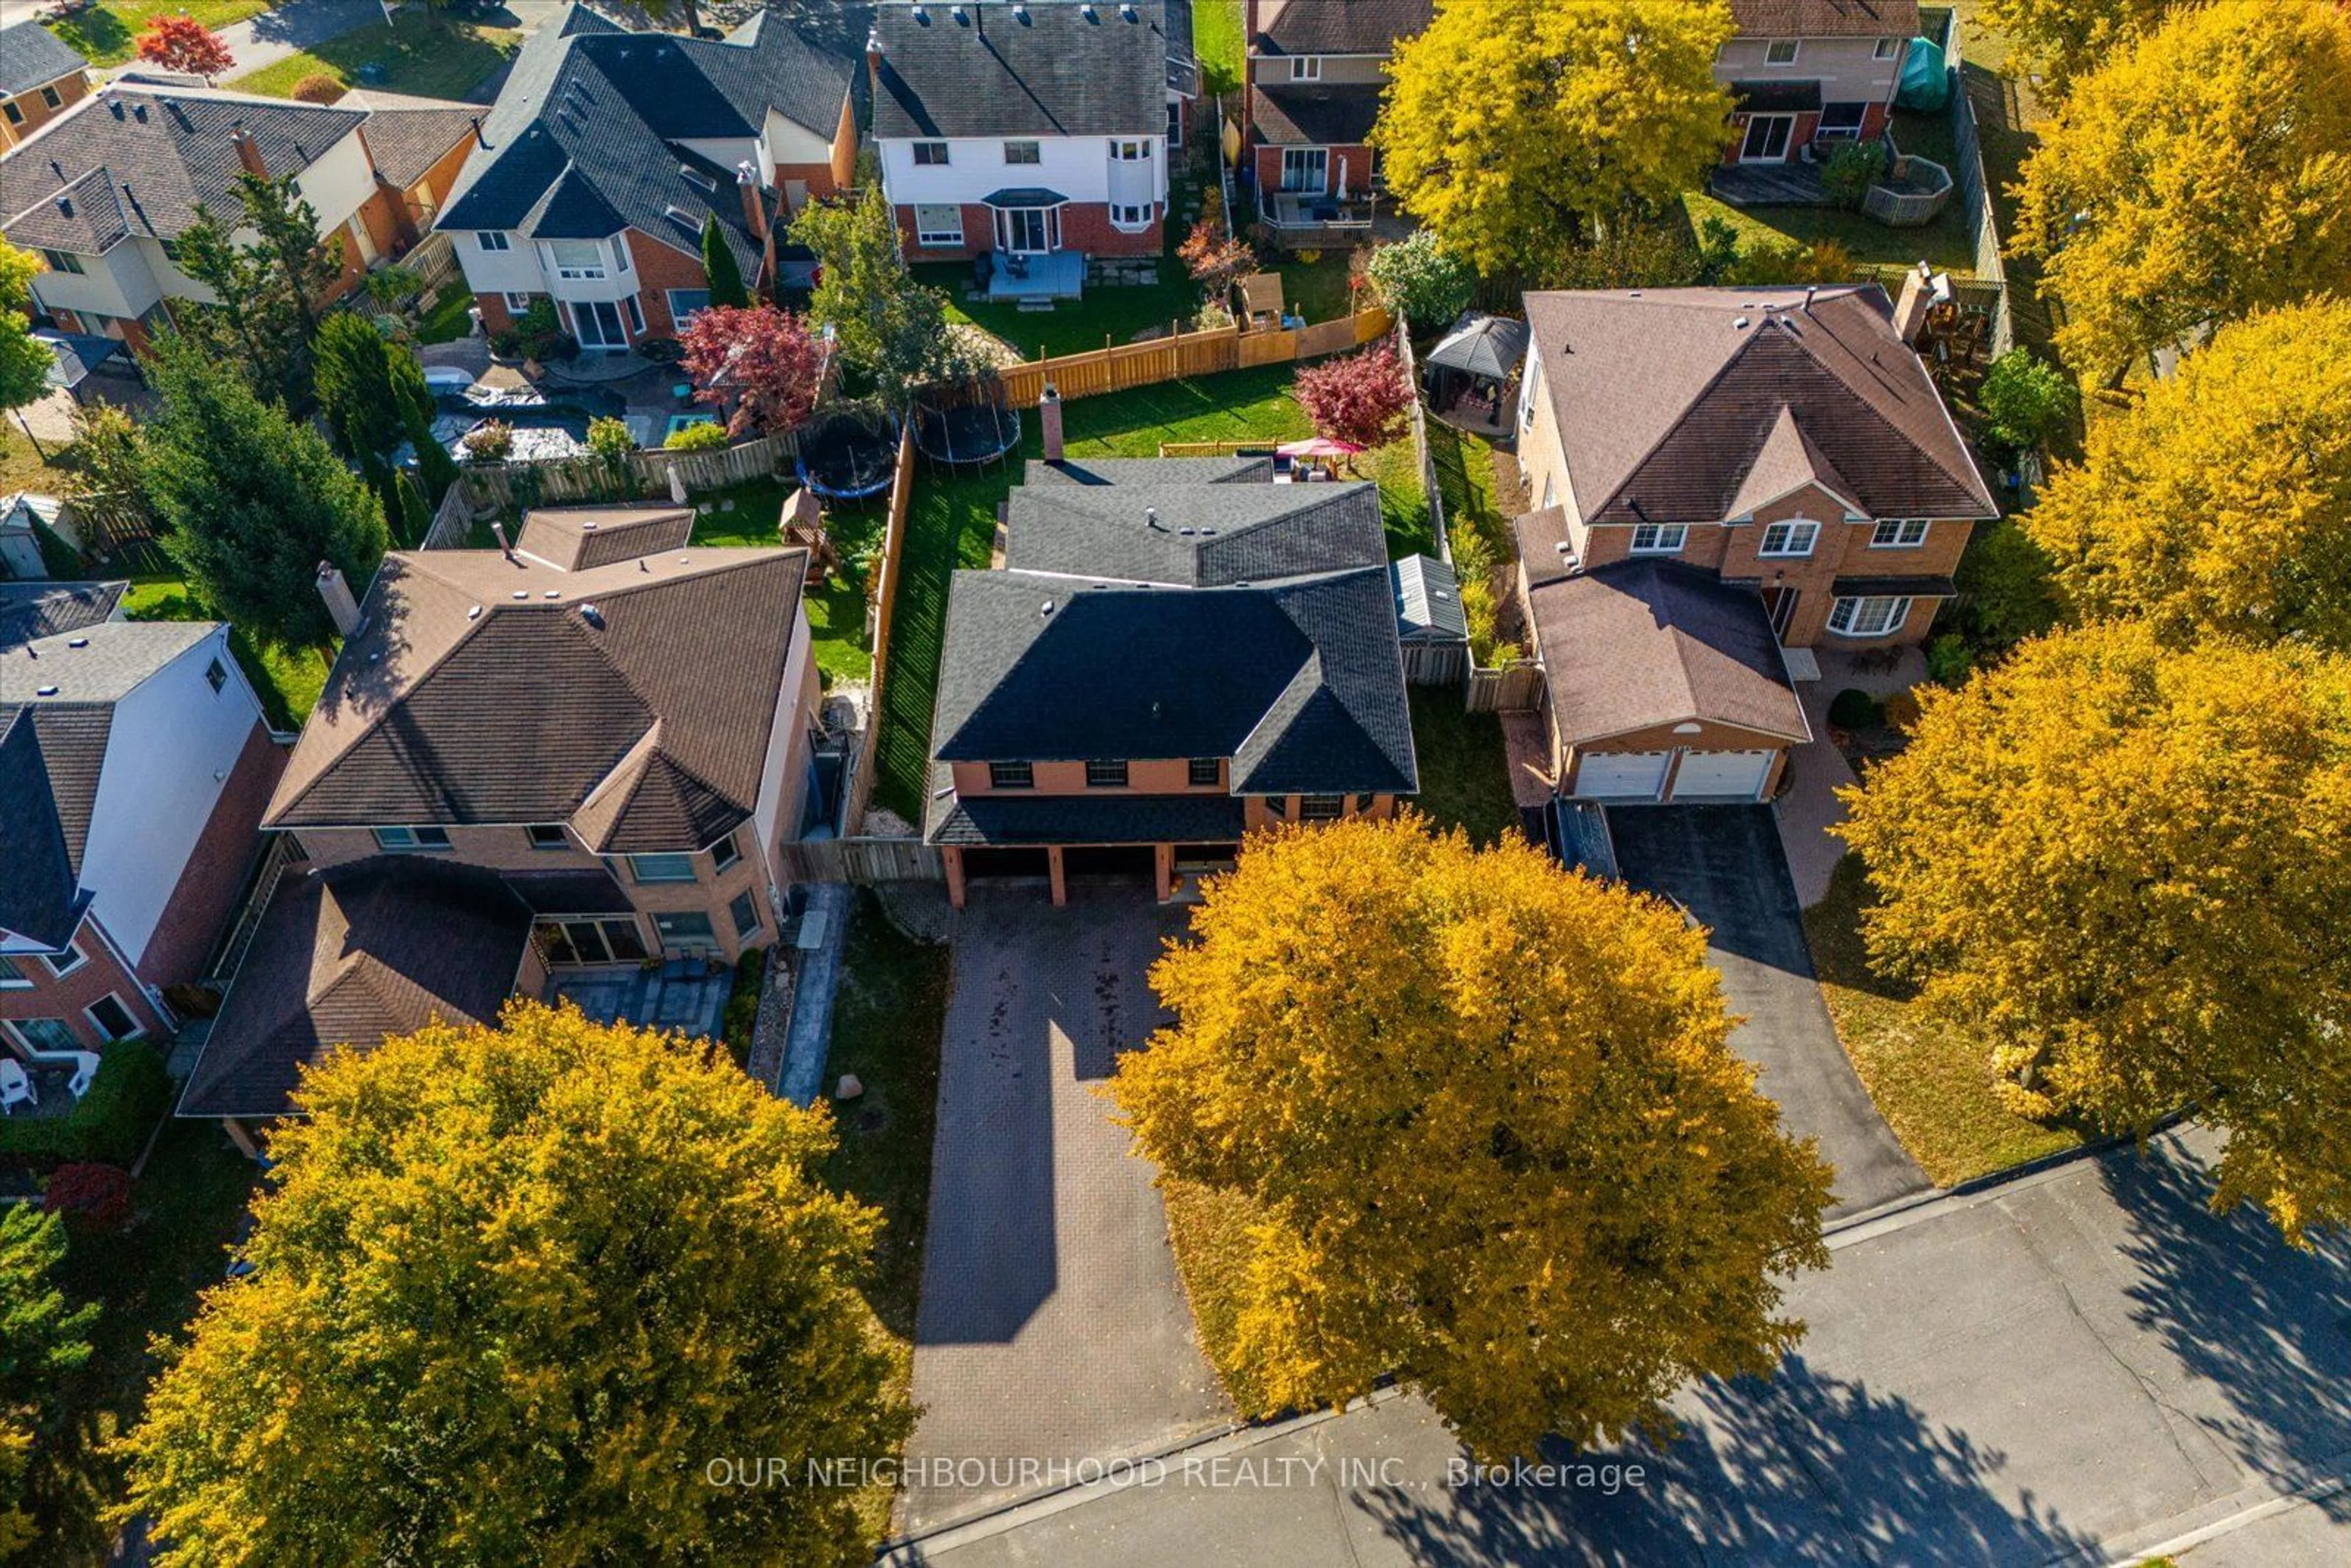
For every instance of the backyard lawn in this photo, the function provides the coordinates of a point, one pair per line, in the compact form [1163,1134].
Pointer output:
[747,514]
[424,53]
[449,320]
[1931,1082]
[109,35]
[1217,41]
[287,680]
[1465,776]
[952,524]
[1073,327]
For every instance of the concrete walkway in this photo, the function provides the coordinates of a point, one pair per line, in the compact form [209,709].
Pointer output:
[1817,769]
[2074,1368]
[1054,1328]
[816,981]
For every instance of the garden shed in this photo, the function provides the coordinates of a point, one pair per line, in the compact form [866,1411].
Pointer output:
[1430,621]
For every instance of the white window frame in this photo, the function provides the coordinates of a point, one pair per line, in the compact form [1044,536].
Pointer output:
[403,839]
[64,262]
[12,975]
[1142,214]
[931,154]
[1658,535]
[1847,616]
[637,868]
[1305,68]
[578,270]
[129,1017]
[935,236]
[1130,149]
[33,1052]
[620,253]
[531,831]
[1034,149]
[1885,48]
[73,958]
[492,240]
[1794,46]
[636,316]
[517,301]
[1910,533]
[1302,159]
[1529,391]
[1841,128]
[679,318]
[1789,531]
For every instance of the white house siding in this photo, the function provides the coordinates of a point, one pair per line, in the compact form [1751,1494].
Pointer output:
[783,140]
[514,271]
[116,283]
[1844,68]
[1079,167]
[174,743]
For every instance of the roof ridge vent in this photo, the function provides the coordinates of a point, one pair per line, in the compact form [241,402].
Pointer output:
[77,641]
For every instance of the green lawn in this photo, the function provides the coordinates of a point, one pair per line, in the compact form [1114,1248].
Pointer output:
[22,466]
[287,680]
[109,35]
[1465,477]
[1074,327]
[448,320]
[1931,1082]
[1465,776]
[1217,40]
[1317,289]
[424,53]
[145,1281]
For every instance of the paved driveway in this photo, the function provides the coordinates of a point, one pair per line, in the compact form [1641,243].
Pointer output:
[1052,1328]
[1726,867]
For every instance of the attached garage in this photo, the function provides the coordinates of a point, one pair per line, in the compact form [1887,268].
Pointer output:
[1621,775]
[1722,775]
[1012,861]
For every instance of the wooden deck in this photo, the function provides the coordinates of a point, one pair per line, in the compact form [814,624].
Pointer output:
[1769,186]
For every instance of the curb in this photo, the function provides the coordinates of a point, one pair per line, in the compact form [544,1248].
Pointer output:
[1902,1212]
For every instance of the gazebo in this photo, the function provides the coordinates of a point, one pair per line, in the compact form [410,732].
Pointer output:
[1471,373]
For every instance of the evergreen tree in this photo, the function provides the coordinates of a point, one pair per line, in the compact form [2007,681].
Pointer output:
[257,501]
[41,1338]
[718,264]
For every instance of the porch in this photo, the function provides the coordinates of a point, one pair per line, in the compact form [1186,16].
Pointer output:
[50,1082]
[1010,278]
[687,994]
[1774,184]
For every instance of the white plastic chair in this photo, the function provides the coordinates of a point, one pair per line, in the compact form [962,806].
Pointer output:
[15,1087]
[85,1073]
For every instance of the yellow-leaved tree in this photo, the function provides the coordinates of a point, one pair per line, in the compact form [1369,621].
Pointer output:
[2198,175]
[1516,129]
[2064,39]
[1486,1121]
[515,1291]
[2130,866]
[2221,502]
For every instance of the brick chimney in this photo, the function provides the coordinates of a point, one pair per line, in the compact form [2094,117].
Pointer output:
[342,607]
[1910,307]
[1049,420]
[248,152]
[755,211]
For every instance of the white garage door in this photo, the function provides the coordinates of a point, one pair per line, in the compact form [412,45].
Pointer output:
[1622,775]
[1722,775]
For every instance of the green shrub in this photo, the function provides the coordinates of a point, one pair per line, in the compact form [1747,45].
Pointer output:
[1950,660]
[1854,708]
[707,436]
[492,441]
[1420,282]
[743,1005]
[109,1126]
[2024,401]
[1850,169]
[610,440]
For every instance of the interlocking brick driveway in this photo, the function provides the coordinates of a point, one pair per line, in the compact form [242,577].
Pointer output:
[1052,1326]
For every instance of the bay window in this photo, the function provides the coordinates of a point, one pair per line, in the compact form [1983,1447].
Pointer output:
[1868,616]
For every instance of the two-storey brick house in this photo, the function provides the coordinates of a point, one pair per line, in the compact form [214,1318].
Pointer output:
[1315,70]
[134,765]
[585,749]
[1785,453]
[41,76]
[1175,652]
[1804,72]
[608,151]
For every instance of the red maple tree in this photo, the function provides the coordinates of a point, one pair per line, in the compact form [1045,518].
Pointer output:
[182,43]
[1361,398]
[762,362]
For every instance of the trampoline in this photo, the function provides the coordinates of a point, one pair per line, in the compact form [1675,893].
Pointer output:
[969,434]
[850,454]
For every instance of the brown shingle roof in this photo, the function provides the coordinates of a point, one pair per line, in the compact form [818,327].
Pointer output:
[1667,399]
[406,138]
[1826,18]
[633,698]
[578,538]
[1340,27]
[346,957]
[1638,643]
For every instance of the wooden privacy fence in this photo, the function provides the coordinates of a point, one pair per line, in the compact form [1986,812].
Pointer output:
[861,859]
[1508,688]
[1437,663]
[863,766]
[1974,197]
[1183,355]
[515,487]
[1420,444]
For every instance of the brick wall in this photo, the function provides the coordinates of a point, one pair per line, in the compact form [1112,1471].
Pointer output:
[64,997]
[660,267]
[1358,161]
[71,90]
[1086,227]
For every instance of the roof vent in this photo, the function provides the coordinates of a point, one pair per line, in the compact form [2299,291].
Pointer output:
[1151,517]
[587,528]
[138,112]
[1046,607]
[922,18]
[1187,533]
[961,16]
[475,614]
[1739,325]
[114,107]
[521,593]
[44,691]
[77,641]
[1019,13]
[1087,11]
[65,205]
[552,593]
[591,615]
[1126,13]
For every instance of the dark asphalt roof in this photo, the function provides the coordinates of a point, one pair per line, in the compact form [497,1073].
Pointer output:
[1343,26]
[39,898]
[588,135]
[347,955]
[132,159]
[1023,196]
[1204,535]
[74,355]
[32,610]
[1341,115]
[1149,471]
[1087,819]
[568,892]
[31,56]
[1488,346]
[1057,73]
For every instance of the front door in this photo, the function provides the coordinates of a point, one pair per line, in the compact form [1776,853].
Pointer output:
[1026,230]
[598,324]
[1767,139]
[1306,169]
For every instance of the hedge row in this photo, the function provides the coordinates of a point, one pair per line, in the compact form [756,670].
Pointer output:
[112,1122]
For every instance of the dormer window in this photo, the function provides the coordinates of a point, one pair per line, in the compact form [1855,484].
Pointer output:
[1012,776]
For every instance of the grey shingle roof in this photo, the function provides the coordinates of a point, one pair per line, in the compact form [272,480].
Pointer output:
[1341,27]
[439,709]
[1340,115]
[39,897]
[1667,400]
[1149,471]
[1191,534]
[587,135]
[405,140]
[31,56]
[1088,820]
[1057,73]
[346,957]
[138,160]
[34,610]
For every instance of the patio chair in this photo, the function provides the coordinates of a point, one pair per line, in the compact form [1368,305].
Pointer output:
[15,1087]
[85,1073]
